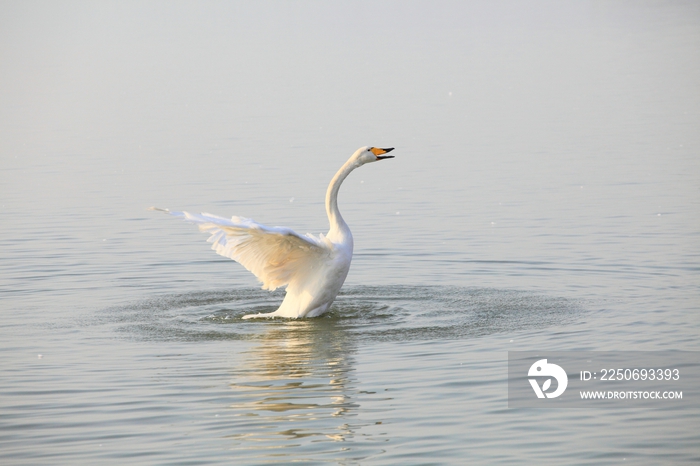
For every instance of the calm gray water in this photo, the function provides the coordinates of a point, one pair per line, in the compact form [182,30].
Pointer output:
[545,196]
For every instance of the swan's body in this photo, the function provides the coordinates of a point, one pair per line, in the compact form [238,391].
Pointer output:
[312,267]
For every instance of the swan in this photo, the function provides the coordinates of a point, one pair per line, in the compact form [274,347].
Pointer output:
[312,267]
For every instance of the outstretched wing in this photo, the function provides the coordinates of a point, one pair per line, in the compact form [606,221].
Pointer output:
[274,254]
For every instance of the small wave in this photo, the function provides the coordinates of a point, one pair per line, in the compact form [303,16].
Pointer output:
[364,313]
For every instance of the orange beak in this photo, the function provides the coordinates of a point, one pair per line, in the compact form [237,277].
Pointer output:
[378,152]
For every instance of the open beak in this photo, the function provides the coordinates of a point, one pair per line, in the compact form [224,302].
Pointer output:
[378,152]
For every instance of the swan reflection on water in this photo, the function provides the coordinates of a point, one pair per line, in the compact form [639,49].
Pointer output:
[298,372]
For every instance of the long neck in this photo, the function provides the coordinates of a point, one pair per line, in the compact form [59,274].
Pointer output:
[339,230]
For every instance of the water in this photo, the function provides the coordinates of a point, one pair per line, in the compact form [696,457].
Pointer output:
[544,196]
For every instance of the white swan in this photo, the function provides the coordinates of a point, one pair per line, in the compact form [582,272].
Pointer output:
[313,268]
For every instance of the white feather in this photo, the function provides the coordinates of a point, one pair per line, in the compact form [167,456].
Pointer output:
[273,254]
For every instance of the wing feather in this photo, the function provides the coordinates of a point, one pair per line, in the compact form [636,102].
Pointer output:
[273,254]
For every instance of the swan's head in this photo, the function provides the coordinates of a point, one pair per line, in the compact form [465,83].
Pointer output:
[372,154]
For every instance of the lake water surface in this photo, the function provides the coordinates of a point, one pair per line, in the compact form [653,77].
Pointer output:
[545,196]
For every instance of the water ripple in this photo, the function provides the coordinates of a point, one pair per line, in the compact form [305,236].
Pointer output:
[364,313]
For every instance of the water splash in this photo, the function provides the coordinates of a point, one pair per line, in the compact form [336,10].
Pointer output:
[362,313]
